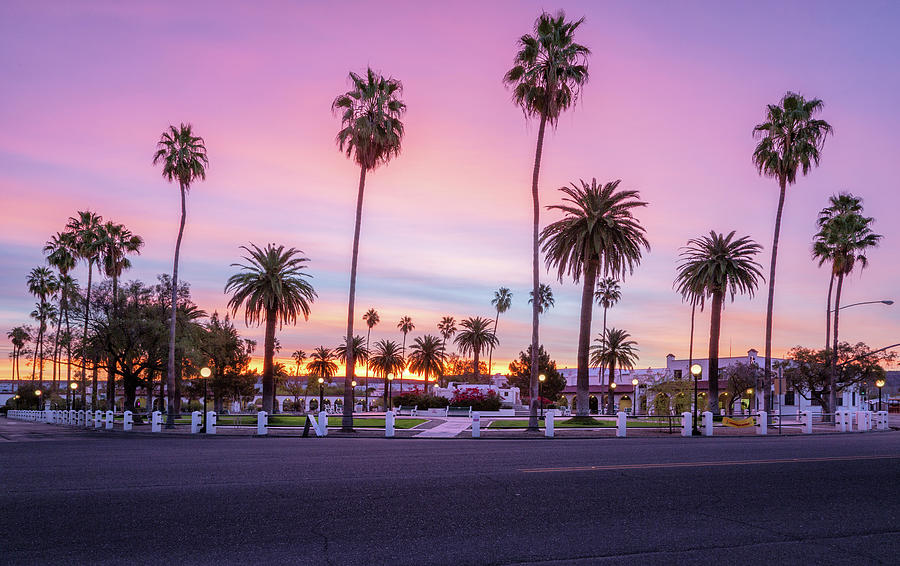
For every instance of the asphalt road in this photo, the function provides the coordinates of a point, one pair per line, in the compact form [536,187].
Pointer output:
[70,497]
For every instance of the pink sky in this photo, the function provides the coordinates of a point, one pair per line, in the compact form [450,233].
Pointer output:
[674,93]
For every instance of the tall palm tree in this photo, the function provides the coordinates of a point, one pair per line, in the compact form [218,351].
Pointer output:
[361,351]
[60,256]
[427,357]
[405,326]
[116,242]
[790,139]
[86,229]
[45,314]
[447,328]
[476,336]
[615,349]
[598,235]
[546,301]
[42,283]
[272,286]
[371,318]
[386,359]
[713,266]
[19,336]
[607,294]
[299,356]
[843,238]
[321,363]
[371,134]
[502,301]
[548,72]
[184,160]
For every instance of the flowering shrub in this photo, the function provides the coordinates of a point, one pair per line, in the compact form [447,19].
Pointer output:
[421,400]
[478,400]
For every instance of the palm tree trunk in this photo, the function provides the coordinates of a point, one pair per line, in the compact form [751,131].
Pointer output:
[268,376]
[828,313]
[368,335]
[536,281]
[832,375]
[715,328]
[347,416]
[87,313]
[582,383]
[491,352]
[476,349]
[68,351]
[403,354]
[770,303]
[602,346]
[170,370]
[59,322]
[95,395]
[111,371]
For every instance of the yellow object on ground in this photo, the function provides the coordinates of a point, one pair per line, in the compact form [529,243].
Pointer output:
[738,423]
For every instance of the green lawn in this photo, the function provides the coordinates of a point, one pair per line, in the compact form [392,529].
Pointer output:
[299,421]
[593,423]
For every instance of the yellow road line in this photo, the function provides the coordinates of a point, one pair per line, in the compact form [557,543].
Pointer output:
[706,464]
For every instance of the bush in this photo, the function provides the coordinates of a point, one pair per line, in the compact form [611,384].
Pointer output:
[476,399]
[420,400]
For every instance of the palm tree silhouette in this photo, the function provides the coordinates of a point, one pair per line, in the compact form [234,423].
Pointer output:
[476,336]
[502,301]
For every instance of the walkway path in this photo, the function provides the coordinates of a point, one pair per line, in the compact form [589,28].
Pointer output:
[447,429]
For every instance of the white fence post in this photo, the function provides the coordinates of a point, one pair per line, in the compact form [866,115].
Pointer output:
[882,418]
[621,424]
[98,419]
[550,423]
[195,422]
[79,418]
[476,425]
[685,424]
[389,424]
[127,421]
[807,422]
[707,423]
[762,423]
[211,422]
[262,423]
[110,420]
[861,421]
[156,422]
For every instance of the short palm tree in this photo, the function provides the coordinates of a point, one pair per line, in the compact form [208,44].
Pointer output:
[615,349]
[427,358]
[607,294]
[548,73]
[299,356]
[60,255]
[447,328]
[405,326]
[546,301]
[790,140]
[371,134]
[501,302]
[322,364]
[183,157]
[844,237]
[361,351]
[19,336]
[476,336]
[713,266]
[85,229]
[598,235]
[43,284]
[371,319]
[272,287]
[386,359]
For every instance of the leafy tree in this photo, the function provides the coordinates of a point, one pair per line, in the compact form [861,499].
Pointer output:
[741,377]
[476,336]
[227,355]
[371,134]
[614,349]
[462,369]
[598,235]
[713,266]
[520,373]
[790,140]
[272,286]
[183,157]
[502,301]
[426,357]
[549,70]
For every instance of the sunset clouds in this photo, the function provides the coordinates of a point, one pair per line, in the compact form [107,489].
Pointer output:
[675,91]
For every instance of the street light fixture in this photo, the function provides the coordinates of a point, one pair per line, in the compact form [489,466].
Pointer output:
[321,381]
[70,393]
[541,379]
[887,302]
[634,391]
[353,394]
[879,383]
[696,370]
[205,372]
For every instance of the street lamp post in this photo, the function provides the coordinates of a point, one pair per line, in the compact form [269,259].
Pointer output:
[390,392]
[353,395]
[696,370]
[37,394]
[70,393]
[321,381]
[634,392]
[205,372]
[879,383]
[541,379]
[612,391]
